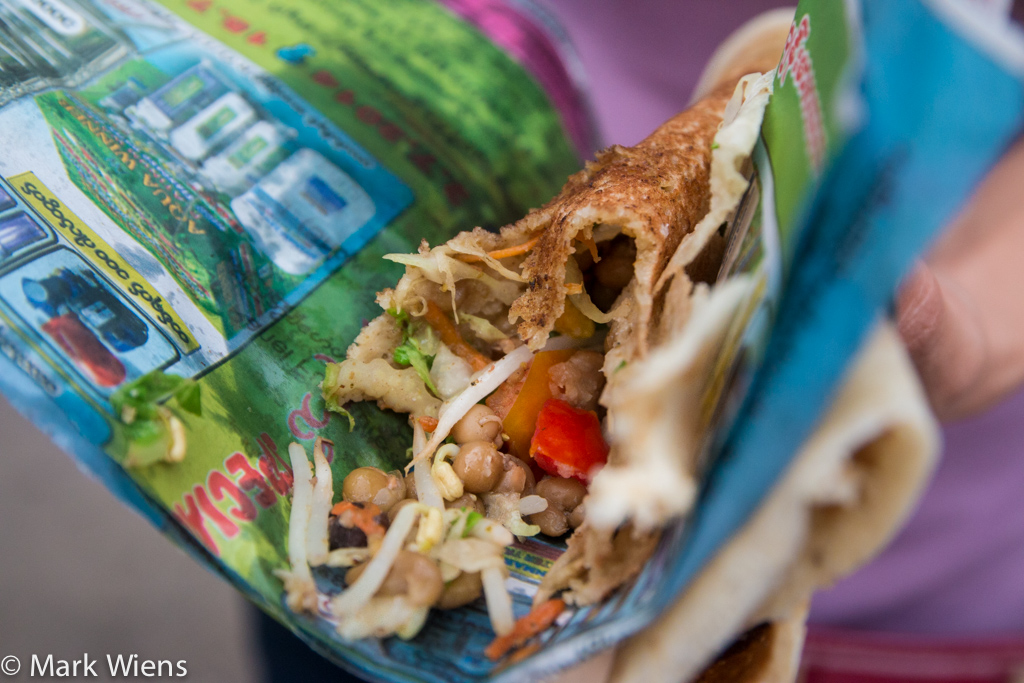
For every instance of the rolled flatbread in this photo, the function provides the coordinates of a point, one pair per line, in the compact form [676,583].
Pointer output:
[844,496]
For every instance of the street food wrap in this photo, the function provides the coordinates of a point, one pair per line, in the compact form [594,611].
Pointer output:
[196,197]
[465,347]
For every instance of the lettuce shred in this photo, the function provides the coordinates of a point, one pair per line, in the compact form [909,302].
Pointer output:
[329,389]
[418,347]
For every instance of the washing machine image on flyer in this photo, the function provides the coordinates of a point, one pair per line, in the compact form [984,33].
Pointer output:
[249,158]
[178,100]
[215,125]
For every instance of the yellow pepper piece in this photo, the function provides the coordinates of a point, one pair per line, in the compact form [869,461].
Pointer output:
[574,323]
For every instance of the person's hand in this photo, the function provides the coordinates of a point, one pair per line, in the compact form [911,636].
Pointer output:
[961,312]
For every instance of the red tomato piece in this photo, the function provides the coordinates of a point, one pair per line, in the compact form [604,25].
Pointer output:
[567,441]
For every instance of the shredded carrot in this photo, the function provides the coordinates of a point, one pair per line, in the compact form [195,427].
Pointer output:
[362,517]
[428,423]
[437,319]
[592,247]
[516,250]
[538,619]
[503,253]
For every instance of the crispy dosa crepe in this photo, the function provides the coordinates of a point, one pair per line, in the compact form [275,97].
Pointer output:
[654,406]
[844,496]
[654,400]
[655,193]
[464,321]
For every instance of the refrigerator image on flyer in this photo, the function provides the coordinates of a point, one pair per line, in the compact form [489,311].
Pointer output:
[84,320]
[218,123]
[180,99]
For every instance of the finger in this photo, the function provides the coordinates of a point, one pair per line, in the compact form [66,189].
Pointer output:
[946,341]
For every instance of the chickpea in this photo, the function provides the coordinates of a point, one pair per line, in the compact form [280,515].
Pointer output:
[410,486]
[564,494]
[577,517]
[615,269]
[565,505]
[362,484]
[412,575]
[462,590]
[479,465]
[393,512]
[371,485]
[422,578]
[466,500]
[518,477]
[551,521]
[394,492]
[478,424]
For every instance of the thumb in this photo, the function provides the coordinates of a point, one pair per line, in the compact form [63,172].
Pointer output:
[945,339]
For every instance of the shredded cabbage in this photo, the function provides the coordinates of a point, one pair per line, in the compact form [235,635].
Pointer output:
[459,247]
[383,616]
[489,531]
[573,275]
[504,509]
[489,379]
[471,520]
[329,389]
[446,271]
[471,554]
[484,328]
[451,374]
[461,522]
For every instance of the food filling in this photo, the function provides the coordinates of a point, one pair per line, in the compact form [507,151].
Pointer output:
[505,440]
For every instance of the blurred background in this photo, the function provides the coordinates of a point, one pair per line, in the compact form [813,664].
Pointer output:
[81,573]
